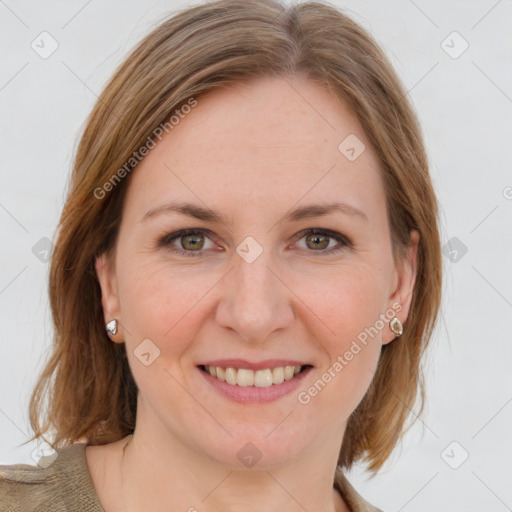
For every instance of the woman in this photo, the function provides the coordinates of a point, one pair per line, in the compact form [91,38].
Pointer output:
[246,275]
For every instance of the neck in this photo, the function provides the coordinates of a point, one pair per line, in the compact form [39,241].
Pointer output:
[156,473]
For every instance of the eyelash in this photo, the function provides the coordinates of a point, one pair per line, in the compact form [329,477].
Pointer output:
[344,241]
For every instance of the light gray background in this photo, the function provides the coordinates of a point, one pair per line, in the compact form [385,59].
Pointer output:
[465,107]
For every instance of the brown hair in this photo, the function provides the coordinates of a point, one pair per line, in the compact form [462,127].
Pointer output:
[89,386]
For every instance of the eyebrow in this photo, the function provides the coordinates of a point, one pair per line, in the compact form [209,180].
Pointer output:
[207,214]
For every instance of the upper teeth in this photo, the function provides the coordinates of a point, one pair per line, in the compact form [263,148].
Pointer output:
[258,378]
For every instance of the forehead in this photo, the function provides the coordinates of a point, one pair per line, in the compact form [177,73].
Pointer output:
[271,143]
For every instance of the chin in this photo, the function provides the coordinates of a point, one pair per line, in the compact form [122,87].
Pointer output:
[256,449]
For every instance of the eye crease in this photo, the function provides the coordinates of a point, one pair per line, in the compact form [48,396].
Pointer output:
[317,236]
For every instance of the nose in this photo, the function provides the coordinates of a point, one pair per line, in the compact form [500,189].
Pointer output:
[255,299]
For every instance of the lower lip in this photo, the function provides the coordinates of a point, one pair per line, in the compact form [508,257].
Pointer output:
[252,394]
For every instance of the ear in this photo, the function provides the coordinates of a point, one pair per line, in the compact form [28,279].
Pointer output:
[404,279]
[109,295]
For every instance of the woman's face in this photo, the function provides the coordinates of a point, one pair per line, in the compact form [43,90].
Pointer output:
[252,170]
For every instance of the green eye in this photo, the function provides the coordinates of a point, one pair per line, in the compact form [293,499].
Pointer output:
[320,239]
[193,241]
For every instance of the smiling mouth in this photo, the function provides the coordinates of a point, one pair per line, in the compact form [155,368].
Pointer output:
[256,378]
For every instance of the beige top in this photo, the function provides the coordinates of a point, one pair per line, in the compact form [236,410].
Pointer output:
[64,484]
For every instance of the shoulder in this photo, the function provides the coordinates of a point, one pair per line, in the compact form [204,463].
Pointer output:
[353,499]
[59,483]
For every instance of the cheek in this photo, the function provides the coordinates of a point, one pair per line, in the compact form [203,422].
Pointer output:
[162,302]
[348,300]
[351,305]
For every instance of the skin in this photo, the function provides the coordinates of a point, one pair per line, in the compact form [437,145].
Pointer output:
[251,152]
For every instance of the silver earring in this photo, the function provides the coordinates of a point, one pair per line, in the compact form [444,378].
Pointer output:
[112,327]
[396,326]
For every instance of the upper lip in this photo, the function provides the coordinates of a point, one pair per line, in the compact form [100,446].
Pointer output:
[261,365]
